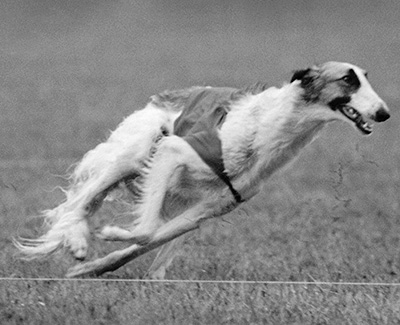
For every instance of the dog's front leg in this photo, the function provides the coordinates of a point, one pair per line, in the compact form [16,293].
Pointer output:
[189,220]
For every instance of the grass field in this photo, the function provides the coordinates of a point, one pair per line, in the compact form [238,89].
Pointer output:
[70,71]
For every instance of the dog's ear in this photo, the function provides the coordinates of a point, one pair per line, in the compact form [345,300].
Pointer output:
[299,74]
[310,82]
[306,76]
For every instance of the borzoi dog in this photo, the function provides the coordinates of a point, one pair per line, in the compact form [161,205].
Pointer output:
[197,153]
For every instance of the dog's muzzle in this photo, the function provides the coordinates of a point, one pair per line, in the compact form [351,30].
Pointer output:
[355,116]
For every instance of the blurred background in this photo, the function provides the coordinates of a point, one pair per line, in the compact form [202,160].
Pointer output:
[71,70]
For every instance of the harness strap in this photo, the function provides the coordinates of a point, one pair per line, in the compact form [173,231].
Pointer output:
[199,124]
[224,176]
[208,147]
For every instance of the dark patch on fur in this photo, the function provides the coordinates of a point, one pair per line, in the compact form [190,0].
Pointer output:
[310,83]
[349,85]
[313,84]
[352,80]
[339,101]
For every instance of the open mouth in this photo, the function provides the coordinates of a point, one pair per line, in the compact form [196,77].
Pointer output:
[353,115]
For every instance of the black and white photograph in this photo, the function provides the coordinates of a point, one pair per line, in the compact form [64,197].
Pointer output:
[199,162]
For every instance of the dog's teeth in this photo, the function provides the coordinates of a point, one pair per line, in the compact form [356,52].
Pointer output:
[353,112]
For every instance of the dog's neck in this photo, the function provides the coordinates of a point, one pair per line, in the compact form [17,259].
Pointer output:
[284,126]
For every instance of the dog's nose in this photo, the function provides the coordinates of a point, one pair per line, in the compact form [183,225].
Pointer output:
[381,115]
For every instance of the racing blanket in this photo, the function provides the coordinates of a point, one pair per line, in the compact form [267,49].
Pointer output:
[203,115]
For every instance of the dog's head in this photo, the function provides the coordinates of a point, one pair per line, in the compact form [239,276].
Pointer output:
[343,91]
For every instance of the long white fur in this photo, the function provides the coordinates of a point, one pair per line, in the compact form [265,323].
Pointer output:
[261,134]
[125,152]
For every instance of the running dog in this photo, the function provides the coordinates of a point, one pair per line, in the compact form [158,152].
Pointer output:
[197,153]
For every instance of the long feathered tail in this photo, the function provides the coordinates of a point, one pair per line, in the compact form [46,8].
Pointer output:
[123,155]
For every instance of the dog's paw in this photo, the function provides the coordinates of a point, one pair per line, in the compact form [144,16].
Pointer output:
[114,233]
[76,240]
[78,248]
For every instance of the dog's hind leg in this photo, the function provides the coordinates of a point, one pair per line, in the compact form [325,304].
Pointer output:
[123,154]
[78,232]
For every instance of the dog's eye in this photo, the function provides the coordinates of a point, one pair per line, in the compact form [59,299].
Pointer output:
[351,79]
[348,79]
